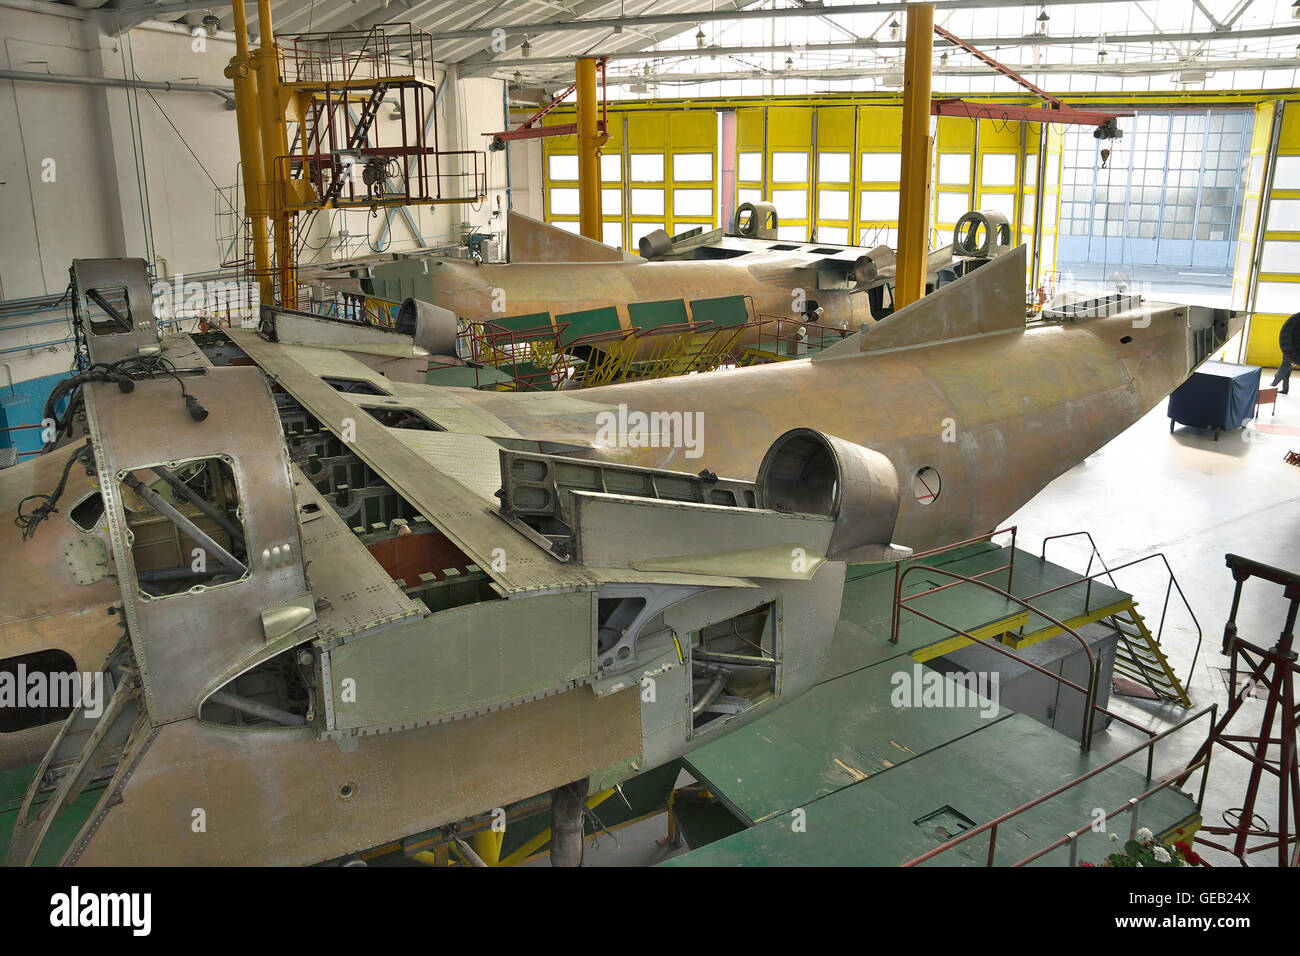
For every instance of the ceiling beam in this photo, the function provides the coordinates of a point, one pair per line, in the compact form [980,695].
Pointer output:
[1289,29]
[713,16]
[1140,68]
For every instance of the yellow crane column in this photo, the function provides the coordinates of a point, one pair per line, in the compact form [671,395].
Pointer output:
[589,143]
[914,187]
[241,70]
[275,151]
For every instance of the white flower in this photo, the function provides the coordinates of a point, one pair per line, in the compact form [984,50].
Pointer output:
[1139,864]
[1143,835]
[1161,854]
[1114,838]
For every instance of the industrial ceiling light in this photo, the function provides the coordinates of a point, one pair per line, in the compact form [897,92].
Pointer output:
[1101,56]
[893,29]
[943,58]
[1295,10]
[789,64]
[1042,21]
[519,80]
[700,40]
[211,25]
[526,50]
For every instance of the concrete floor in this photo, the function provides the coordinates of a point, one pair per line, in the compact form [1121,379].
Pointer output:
[1192,499]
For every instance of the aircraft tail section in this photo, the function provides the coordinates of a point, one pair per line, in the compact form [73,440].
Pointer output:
[531,240]
[986,301]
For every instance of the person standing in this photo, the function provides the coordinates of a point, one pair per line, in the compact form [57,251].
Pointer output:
[1283,376]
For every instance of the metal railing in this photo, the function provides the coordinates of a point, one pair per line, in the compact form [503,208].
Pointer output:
[1091,707]
[1171,585]
[382,51]
[899,600]
[1072,838]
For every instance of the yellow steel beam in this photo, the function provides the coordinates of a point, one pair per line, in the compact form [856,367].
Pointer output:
[241,71]
[275,152]
[588,151]
[539,841]
[487,845]
[914,187]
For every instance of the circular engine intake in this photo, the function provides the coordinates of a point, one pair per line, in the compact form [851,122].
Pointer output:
[809,472]
[432,327]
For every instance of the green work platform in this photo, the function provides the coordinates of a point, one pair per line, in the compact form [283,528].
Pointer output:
[881,784]
[896,815]
[66,826]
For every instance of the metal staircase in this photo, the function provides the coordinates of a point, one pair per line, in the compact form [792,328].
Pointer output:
[1138,656]
[356,139]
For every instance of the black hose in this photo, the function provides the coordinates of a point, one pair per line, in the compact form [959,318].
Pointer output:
[30,521]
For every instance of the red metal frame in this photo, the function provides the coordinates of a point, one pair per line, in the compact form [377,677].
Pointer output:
[1058,112]
[1275,670]
[526,129]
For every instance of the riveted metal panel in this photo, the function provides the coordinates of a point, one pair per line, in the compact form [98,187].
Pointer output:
[173,635]
[463,660]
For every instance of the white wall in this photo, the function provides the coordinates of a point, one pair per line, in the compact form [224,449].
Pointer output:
[93,206]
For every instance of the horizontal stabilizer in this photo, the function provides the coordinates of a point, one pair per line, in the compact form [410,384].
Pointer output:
[987,300]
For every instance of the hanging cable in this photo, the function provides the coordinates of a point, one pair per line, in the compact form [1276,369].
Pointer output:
[28,521]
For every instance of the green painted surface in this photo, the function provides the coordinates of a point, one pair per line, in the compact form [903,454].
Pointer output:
[13,787]
[588,322]
[813,753]
[799,755]
[726,311]
[981,775]
[539,323]
[650,315]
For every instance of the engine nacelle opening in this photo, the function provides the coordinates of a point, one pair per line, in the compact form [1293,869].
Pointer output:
[809,472]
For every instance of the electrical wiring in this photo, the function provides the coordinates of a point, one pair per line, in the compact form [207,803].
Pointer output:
[29,521]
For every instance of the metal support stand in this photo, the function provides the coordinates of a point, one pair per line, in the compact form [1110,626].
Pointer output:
[1272,670]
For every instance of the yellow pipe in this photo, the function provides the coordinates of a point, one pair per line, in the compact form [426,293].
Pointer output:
[588,151]
[914,199]
[488,845]
[241,71]
[275,152]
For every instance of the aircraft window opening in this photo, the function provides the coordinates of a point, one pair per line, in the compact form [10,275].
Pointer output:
[354,386]
[86,514]
[402,418]
[926,485]
[733,667]
[109,311]
[18,708]
[185,525]
[279,692]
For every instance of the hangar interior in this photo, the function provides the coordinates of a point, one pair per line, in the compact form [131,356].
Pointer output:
[982,312]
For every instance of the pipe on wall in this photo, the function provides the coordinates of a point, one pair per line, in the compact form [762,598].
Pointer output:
[27,76]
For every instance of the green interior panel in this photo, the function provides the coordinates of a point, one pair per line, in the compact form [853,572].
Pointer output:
[587,322]
[536,323]
[651,315]
[726,311]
